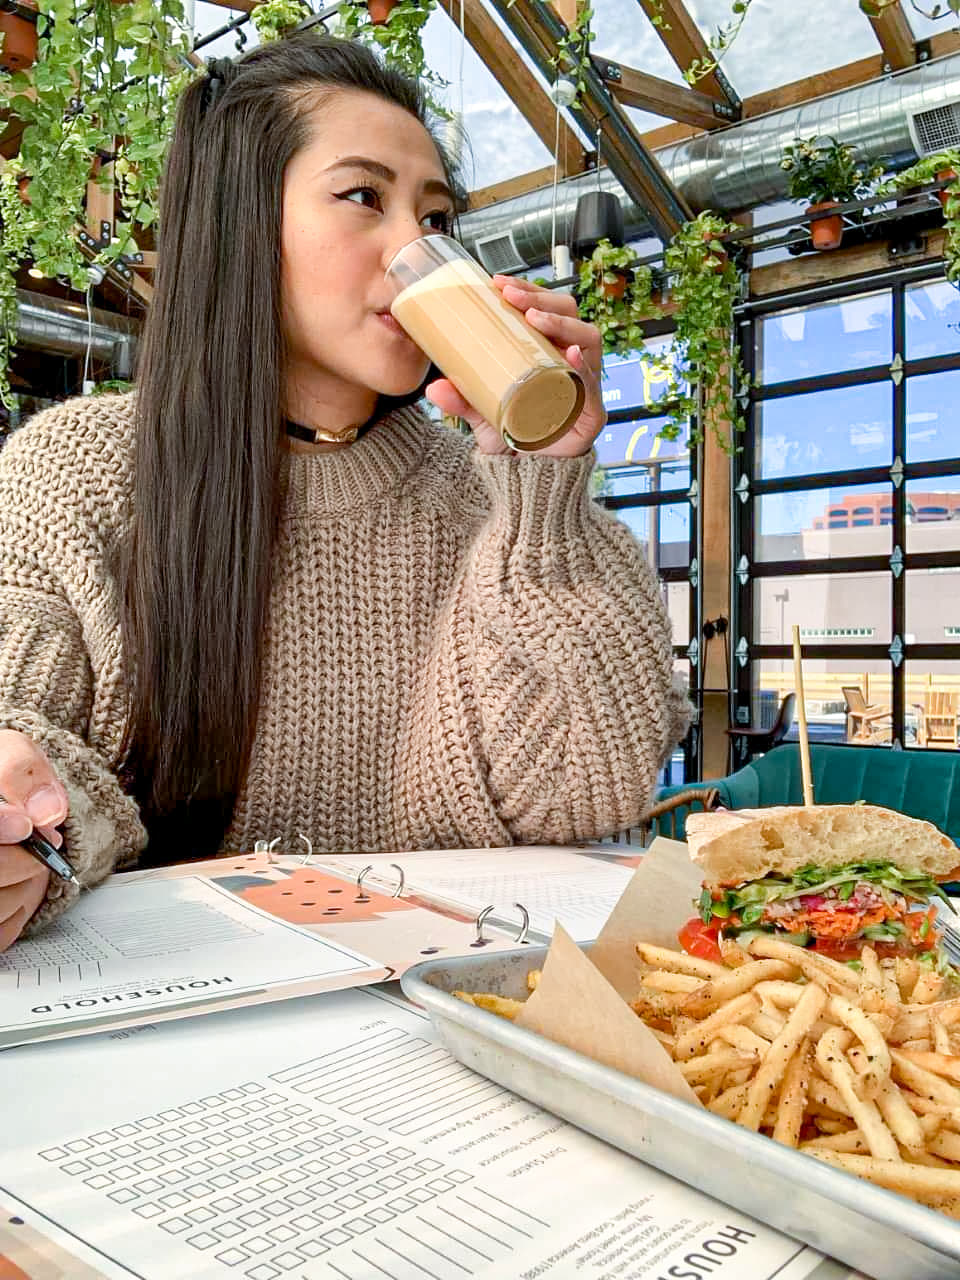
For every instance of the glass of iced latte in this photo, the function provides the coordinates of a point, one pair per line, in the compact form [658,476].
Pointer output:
[511,374]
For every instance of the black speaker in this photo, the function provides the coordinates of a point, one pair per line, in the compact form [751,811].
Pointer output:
[598,216]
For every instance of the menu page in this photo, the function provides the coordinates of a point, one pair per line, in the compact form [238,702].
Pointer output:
[551,883]
[133,950]
[334,1137]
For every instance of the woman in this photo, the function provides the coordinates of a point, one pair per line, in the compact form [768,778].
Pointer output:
[265,595]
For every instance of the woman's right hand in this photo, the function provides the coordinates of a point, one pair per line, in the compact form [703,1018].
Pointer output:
[31,797]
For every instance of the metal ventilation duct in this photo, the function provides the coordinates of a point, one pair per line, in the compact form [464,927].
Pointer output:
[61,328]
[893,119]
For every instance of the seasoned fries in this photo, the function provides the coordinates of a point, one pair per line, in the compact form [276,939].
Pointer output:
[859,1068]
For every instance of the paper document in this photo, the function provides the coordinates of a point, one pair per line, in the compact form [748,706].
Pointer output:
[551,883]
[335,1139]
[132,951]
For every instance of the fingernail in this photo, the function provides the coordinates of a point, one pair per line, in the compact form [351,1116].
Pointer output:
[577,353]
[45,807]
[14,826]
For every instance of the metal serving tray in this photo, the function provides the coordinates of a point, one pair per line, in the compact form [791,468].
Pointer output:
[878,1232]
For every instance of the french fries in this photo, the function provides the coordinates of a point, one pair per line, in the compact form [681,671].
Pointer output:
[858,1068]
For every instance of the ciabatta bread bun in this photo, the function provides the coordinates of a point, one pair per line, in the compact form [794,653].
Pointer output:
[733,846]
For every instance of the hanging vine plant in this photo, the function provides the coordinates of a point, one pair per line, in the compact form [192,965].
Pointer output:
[275,19]
[704,287]
[572,58]
[103,89]
[398,36]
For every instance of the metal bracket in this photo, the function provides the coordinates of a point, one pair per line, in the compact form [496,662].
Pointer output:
[743,571]
[896,472]
[693,652]
[896,370]
[693,573]
[896,562]
[610,72]
[693,495]
[742,651]
[742,489]
[896,651]
[923,50]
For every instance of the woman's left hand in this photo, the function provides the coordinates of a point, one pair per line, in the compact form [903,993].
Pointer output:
[553,314]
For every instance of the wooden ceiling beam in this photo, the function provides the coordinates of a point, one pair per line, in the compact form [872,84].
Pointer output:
[685,44]
[539,30]
[518,81]
[892,28]
[511,187]
[634,88]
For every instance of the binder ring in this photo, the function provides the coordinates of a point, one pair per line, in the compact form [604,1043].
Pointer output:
[400,883]
[267,847]
[309,844]
[524,923]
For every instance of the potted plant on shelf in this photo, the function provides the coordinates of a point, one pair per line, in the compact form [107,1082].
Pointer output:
[704,288]
[18,37]
[942,166]
[826,173]
[101,95]
[614,293]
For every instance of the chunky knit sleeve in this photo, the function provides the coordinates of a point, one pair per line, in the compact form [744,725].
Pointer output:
[553,681]
[58,640]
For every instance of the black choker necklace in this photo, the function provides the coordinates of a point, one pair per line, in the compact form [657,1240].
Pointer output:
[320,435]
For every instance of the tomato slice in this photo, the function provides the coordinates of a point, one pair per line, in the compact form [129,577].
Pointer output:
[701,940]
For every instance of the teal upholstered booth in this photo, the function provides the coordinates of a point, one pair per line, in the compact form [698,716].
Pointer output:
[923,784]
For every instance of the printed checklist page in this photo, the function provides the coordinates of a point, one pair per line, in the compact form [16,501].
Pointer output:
[134,950]
[334,1139]
[551,883]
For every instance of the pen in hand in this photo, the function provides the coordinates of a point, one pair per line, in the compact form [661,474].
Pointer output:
[51,858]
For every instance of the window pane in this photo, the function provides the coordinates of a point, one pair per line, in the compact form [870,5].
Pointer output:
[663,531]
[825,431]
[815,523]
[663,464]
[933,320]
[829,608]
[832,337]
[933,607]
[863,715]
[638,379]
[933,514]
[933,699]
[932,428]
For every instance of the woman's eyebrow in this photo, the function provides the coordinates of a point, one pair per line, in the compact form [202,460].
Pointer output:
[431,187]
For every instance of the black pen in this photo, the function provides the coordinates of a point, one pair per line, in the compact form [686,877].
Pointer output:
[51,858]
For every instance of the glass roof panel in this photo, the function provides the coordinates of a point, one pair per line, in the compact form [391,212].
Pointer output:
[780,43]
[624,33]
[500,143]
[924,27]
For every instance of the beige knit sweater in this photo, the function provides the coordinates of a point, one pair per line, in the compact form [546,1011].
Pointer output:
[460,651]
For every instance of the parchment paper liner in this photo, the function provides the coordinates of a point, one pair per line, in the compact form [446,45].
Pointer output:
[581,1001]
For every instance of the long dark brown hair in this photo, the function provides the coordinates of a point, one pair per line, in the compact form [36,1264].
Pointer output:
[196,570]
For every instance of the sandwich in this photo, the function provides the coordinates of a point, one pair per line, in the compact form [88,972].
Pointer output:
[833,878]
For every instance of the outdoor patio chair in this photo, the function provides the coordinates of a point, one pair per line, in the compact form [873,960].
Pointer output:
[937,725]
[865,722]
